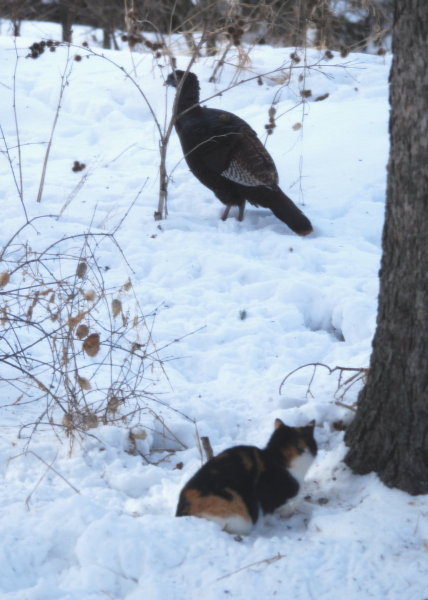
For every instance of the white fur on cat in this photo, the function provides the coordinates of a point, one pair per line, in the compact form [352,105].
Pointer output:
[300,466]
[298,469]
[233,524]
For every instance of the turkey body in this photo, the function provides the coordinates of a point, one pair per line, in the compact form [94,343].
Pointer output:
[225,154]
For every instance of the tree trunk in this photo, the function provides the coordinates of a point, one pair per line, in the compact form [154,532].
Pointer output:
[66,22]
[389,434]
[16,25]
[106,39]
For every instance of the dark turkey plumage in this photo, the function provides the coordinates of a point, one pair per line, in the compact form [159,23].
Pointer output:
[226,155]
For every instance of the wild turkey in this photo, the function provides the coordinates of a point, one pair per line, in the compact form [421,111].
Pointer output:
[225,154]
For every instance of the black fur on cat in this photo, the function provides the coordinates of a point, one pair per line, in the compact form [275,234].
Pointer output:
[242,482]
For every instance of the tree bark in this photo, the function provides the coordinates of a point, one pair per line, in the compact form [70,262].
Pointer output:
[389,434]
[66,22]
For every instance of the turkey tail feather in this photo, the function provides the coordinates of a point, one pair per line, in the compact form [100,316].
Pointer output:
[282,207]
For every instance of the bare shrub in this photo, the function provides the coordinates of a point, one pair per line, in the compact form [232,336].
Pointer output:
[328,23]
[70,346]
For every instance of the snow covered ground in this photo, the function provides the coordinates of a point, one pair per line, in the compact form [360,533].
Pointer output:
[260,301]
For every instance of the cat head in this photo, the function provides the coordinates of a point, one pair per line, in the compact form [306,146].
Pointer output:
[294,447]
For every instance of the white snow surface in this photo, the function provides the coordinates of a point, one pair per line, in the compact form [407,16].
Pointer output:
[261,302]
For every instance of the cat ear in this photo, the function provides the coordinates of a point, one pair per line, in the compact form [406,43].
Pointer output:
[278,423]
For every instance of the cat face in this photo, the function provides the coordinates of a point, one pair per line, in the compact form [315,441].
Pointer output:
[295,447]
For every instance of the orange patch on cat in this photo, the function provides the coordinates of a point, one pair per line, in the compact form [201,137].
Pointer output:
[222,455]
[289,454]
[246,460]
[260,464]
[199,505]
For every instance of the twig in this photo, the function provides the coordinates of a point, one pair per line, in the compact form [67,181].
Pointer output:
[348,406]
[18,141]
[162,210]
[64,82]
[265,561]
[359,373]
[198,442]
[118,226]
[74,192]
[49,468]
[206,444]
[299,369]
[30,222]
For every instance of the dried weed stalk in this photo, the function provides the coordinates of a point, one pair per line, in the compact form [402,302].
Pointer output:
[76,352]
[344,383]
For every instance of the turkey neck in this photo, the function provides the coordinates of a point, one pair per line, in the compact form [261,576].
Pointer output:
[189,95]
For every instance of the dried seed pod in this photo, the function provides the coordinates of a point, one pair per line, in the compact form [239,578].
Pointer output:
[82,331]
[84,383]
[4,318]
[81,270]
[322,97]
[306,93]
[91,345]
[113,404]
[73,321]
[33,304]
[90,421]
[67,420]
[297,126]
[135,347]
[4,278]
[78,166]
[36,49]
[116,307]
[126,286]
[90,295]
[40,385]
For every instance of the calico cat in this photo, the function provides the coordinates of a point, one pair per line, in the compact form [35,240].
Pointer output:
[234,487]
